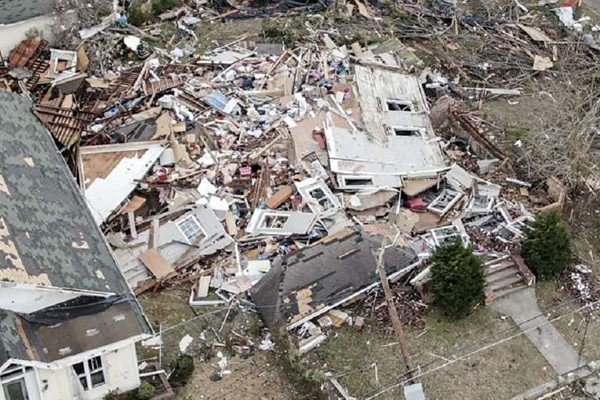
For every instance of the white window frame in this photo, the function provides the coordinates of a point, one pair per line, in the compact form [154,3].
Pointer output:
[404,103]
[263,220]
[191,236]
[88,371]
[14,374]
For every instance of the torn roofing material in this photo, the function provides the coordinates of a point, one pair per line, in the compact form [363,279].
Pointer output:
[11,345]
[111,171]
[47,233]
[316,277]
[56,338]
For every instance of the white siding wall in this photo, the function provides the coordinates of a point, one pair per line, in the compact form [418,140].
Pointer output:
[120,373]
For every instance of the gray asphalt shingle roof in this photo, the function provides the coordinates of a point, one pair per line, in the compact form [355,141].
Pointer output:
[48,237]
[322,275]
[18,10]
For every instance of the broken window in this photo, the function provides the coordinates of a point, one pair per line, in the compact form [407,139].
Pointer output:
[322,199]
[90,373]
[444,202]
[358,181]
[274,221]
[404,131]
[190,228]
[399,105]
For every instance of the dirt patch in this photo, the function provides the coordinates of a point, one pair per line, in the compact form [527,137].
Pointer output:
[256,377]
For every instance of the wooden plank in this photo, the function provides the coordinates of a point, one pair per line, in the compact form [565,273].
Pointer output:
[280,197]
[156,264]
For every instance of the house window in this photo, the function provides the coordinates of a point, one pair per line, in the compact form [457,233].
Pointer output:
[274,221]
[190,228]
[15,390]
[358,181]
[12,383]
[90,373]
[322,199]
[404,131]
[399,105]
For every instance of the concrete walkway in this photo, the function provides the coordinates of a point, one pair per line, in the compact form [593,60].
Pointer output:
[522,307]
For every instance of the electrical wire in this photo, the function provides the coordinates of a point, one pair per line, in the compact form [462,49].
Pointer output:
[455,360]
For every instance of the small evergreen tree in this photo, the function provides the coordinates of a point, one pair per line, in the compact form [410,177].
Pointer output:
[457,279]
[547,247]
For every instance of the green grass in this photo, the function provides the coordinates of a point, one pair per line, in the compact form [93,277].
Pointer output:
[498,373]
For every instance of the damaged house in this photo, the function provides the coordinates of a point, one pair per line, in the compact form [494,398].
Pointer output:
[170,242]
[68,320]
[397,141]
[318,278]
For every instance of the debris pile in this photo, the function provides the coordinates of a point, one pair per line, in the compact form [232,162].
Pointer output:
[411,309]
[580,282]
[231,168]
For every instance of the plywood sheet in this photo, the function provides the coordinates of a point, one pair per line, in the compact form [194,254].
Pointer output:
[156,264]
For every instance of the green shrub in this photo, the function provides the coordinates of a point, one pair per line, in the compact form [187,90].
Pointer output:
[547,247]
[145,391]
[136,15]
[182,369]
[457,279]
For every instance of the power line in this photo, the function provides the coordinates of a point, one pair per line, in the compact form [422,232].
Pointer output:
[498,333]
[421,374]
[516,325]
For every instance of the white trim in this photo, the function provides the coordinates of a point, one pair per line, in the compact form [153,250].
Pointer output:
[74,359]
[57,289]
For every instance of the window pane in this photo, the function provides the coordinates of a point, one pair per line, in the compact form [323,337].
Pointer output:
[15,390]
[83,381]
[95,363]
[97,378]
[78,368]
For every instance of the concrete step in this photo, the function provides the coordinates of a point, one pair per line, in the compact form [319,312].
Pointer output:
[502,265]
[503,283]
[511,289]
[501,274]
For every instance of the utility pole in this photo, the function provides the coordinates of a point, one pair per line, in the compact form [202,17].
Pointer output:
[389,298]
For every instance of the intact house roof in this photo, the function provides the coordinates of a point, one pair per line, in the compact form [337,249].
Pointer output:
[314,279]
[18,10]
[49,239]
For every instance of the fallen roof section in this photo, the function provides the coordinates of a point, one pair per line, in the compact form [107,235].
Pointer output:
[111,171]
[315,278]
